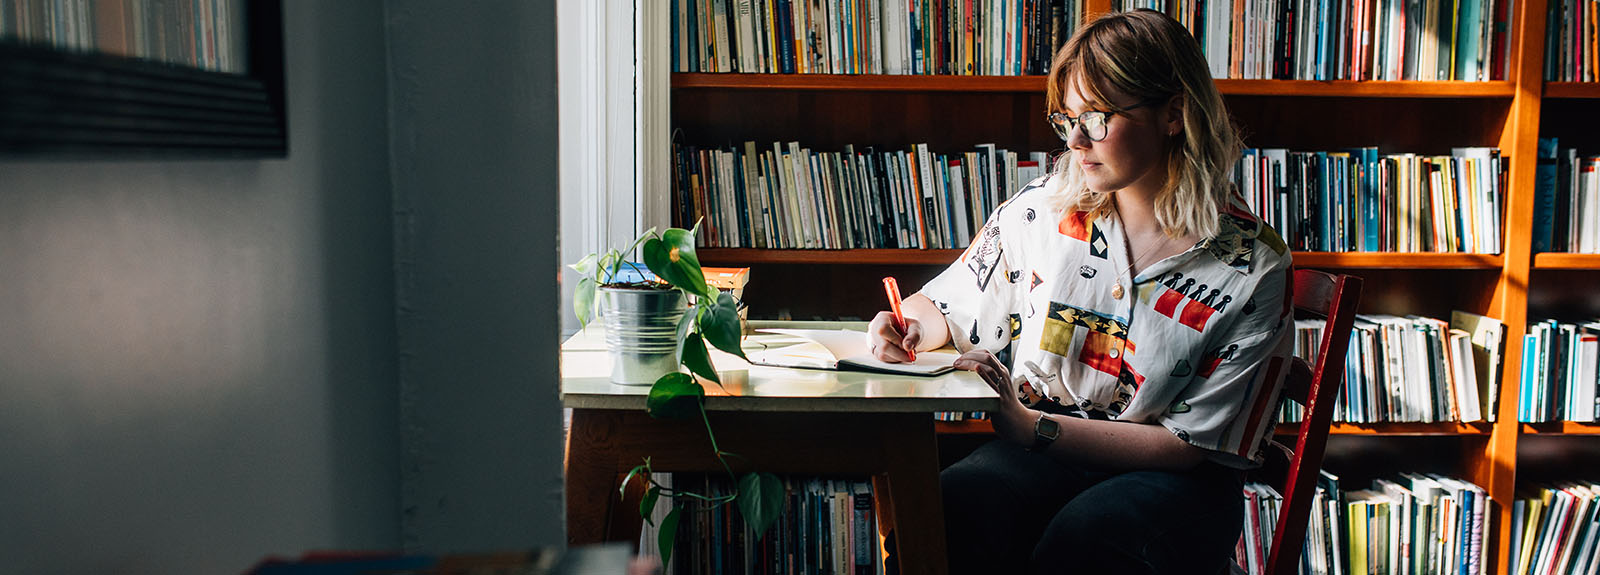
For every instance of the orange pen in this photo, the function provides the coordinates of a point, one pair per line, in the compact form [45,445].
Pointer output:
[893,289]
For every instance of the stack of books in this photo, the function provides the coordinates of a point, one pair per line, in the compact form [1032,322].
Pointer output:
[1357,200]
[977,37]
[1413,369]
[1560,372]
[1557,530]
[1411,523]
[791,197]
[1427,40]
[1570,43]
[828,525]
[1566,207]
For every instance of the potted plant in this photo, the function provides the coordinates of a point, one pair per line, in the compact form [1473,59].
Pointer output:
[639,313]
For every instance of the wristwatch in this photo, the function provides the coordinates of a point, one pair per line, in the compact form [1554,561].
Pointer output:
[1045,430]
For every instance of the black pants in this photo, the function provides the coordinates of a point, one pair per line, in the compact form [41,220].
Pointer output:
[1010,511]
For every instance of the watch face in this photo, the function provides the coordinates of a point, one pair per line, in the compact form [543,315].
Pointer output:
[1047,429]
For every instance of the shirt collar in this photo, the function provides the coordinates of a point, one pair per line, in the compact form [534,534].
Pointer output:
[1239,232]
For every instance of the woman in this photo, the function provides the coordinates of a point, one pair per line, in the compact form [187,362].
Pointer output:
[1131,313]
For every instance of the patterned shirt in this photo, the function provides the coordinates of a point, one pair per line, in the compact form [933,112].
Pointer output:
[1199,342]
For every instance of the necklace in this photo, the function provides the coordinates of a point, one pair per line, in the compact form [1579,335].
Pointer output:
[1116,287]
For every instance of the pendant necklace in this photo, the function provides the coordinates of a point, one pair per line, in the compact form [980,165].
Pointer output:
[1116,287]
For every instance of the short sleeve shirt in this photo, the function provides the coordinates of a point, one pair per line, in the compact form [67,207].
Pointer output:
[1199,342]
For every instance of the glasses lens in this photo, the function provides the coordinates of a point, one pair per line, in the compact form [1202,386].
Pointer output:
[1060,124]
[1094,125]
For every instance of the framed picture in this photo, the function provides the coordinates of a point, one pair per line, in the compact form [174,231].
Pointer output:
[142,78]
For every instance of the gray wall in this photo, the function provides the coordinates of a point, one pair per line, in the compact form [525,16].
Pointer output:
[473,95]
[198,360]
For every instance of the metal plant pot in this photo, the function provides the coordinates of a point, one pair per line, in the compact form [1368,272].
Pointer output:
[641,332]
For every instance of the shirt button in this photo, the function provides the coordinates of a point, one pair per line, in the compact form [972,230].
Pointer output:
[1114,353]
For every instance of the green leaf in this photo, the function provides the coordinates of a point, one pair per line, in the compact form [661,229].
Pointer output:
[675,396]
[760,500]
[648,504]
[583,300]
[668,536]
[719,322]
[623,489]
[585,266]
[685,324]
[692,353]
[607,267]
[672,259]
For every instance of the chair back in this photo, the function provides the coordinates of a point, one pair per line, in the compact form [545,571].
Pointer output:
[1333,297]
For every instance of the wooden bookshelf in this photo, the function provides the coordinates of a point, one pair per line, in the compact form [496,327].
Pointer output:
[1561,428]
[1340,260]
[1036,84]
[1572,90]
[830,111]
[1554,261]
[980,426]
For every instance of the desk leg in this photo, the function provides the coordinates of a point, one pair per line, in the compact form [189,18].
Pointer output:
[591,482]
[915,507]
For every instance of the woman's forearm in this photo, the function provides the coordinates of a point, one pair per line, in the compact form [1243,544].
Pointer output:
[1120,445]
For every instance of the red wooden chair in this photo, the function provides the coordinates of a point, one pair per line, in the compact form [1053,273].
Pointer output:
[1333,297]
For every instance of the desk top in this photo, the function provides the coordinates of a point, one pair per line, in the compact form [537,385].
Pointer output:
[586,382]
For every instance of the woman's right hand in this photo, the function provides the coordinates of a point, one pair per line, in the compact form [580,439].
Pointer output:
[888,342]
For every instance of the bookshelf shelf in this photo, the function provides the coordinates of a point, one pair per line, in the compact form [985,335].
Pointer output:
[979,427]
[1398,429]
[859,82]
[968,427]
[1561,428]
[1415,261]
[1035,85]
[1343,88]
[749,256]
[1555,261]
[1574,90]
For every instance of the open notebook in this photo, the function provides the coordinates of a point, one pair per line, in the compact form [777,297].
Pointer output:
[842,349]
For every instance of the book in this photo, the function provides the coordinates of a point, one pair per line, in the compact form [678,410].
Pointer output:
[842,350]
[1488,335]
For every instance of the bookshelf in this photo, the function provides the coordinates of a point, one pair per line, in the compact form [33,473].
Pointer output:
[142,79]
[1408,116]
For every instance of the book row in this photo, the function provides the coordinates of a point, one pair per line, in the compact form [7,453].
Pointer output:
[1412,369]
[1411,524]
[1557,530]
[789,197]
[1566,201]
[1570,46]
[1560,372]
[206,34]
[827,526]
[1358,200]
[966,37]
[1429,40]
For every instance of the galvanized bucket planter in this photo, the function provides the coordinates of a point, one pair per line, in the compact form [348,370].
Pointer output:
[641,332]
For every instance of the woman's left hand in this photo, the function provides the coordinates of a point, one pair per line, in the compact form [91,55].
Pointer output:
[1013,421]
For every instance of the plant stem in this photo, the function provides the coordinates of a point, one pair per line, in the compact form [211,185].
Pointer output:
[714,448]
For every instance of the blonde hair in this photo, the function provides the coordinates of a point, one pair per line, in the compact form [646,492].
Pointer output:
[1151,57]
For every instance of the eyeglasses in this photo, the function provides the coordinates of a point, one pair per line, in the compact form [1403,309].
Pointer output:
[1093,122]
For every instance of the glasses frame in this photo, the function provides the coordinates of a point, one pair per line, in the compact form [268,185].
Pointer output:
[1064,125]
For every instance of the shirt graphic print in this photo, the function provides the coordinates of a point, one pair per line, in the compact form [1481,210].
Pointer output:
[1199,342]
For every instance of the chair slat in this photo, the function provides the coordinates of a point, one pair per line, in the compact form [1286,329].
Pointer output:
[1315,386]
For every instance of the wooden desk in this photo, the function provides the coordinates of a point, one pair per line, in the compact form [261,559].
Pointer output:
[785,421]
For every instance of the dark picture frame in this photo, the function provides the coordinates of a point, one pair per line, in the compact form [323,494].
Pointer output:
[60,103]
